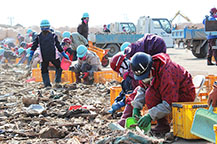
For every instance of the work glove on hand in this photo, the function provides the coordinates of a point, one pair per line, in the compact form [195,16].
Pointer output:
[31,55]
[84,75]
[65,55]
[213,97]
[136,113]
[144,121]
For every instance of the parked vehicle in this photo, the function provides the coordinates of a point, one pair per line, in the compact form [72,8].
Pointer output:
[192,39]
[121,32]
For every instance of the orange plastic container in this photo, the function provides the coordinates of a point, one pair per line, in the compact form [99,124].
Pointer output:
[114,92]
[203,97]
[67,76]
[108,75]
[210,79]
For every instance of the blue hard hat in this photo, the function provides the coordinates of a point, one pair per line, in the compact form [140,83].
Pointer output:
[124,45]
[28,51]
[21,50]
[85,15]
[45,23]
[66,34]
[81,51]
[141,64]
[2,51]
[29,31]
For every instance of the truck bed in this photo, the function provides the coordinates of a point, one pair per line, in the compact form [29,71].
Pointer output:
[117,38]
[189,34]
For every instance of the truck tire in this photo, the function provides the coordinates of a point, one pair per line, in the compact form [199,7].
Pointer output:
[113,49]
[203,50]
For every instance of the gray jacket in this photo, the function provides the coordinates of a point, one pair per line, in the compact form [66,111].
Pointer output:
[157,112]
[78,39]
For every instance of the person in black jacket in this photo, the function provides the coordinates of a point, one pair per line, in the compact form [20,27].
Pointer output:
[83,27]
[49,45]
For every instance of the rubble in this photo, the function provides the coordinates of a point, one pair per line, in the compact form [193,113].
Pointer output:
[54,122]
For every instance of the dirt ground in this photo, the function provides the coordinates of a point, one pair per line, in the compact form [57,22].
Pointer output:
[20,123]
[194,65]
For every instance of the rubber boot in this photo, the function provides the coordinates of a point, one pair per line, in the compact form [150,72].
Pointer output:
[162,127]
[77,75]
[128,111]
[58,75]
[209,61]
[46,80]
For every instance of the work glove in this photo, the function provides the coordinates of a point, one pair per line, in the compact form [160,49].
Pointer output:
[213,97]
[136,113]
[31,55]
[144,121]
[84,75]
[65,55]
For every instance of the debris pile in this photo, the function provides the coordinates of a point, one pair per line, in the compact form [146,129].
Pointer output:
[74,113]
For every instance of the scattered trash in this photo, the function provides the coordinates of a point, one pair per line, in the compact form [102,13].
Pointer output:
[35,108]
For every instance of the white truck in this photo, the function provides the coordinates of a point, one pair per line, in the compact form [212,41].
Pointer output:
[117,36]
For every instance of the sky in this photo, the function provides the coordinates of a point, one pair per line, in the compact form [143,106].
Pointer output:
[63,13]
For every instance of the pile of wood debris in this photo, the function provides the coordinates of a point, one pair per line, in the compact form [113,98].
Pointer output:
[31,114]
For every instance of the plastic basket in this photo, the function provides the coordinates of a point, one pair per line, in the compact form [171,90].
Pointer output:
[215,130]
[183,115]
[67,76]
[114,92]
[106,76]
[210,79]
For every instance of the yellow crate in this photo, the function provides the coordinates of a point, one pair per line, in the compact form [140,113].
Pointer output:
[108,75]
[210,79]
[183,115]
[215,130]
[67,76]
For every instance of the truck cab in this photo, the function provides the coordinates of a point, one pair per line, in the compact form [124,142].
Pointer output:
[157,26]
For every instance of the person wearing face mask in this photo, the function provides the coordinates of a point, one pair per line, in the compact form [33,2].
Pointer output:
[66,42]
[120,64]
[83,27]
[212,39]
[161,82]
[88,63]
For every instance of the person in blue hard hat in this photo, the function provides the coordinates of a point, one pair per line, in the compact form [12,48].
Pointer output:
[212,40]
[124,45]
[66,34]
[8,55]
[49,47]
[83,27]
[22,54]
[31,35]
[88,63]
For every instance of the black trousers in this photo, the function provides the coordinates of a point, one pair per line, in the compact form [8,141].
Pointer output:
[45,64]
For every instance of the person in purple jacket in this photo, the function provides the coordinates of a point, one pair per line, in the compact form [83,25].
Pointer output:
[150,44]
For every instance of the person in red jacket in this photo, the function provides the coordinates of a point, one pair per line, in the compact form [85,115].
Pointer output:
[66,42]
[162,82]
